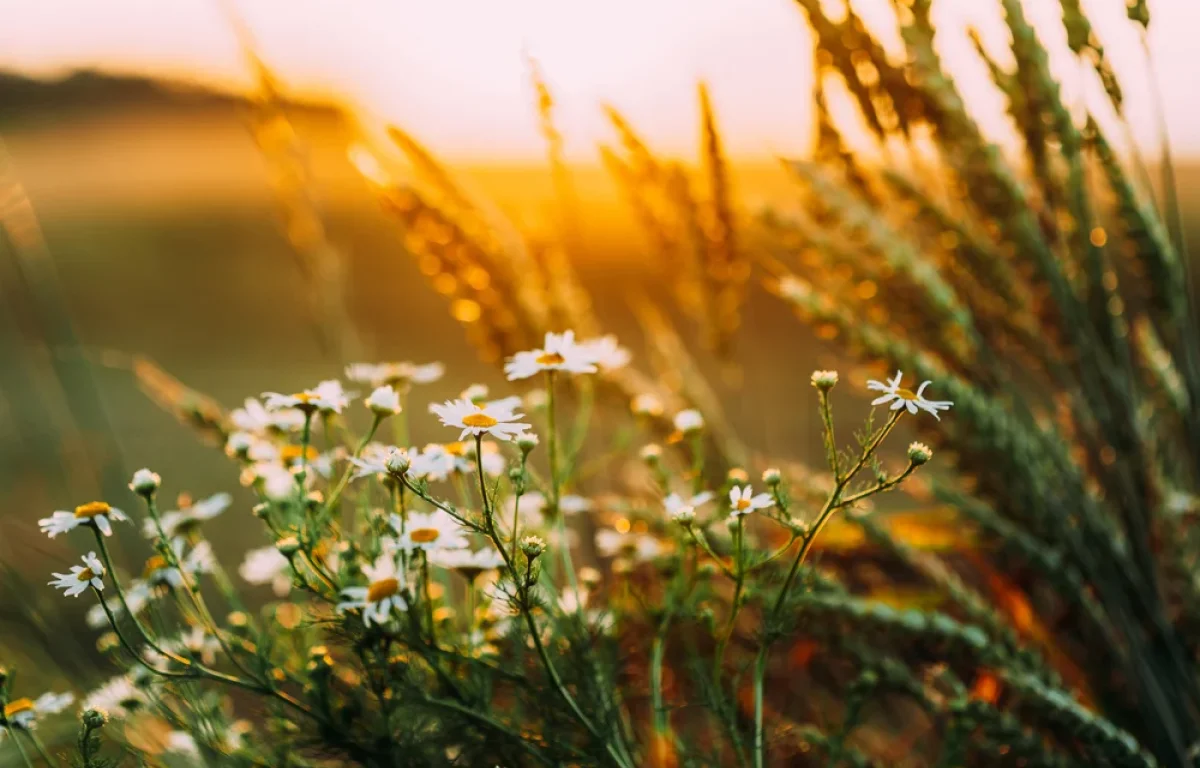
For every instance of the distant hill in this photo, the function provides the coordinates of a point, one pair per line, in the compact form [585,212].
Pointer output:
[86,90]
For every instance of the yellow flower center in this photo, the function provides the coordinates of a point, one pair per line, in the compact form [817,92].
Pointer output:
[382,589]
[292,452]
[906,394]
[156,563]
[550,358]
[87,574]
[17,706]
[480,419]
[424,535]
[304,397]
[456,449]
[92,509]
[742,504]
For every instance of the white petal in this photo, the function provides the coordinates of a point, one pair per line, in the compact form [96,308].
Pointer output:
[884,399]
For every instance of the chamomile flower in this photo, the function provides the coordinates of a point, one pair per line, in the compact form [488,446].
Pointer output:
[159,573]
[197,644]
[500,423]
[640,547]
[24,713]
[373,461]
[384,401]
[94,513]
[254,418]
[75,583]
[572,504]
[179,521]
[267,565]
[428,531]
[399,374]
[681,510]
[646,404]
[742,501]
[119,698]
[559,352]
[606,353]
[382,595]
[905,398]
[689,421]
[327,396]
[469,563]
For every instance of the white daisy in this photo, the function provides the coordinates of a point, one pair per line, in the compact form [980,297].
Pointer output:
[906,398]
[559,352]
[182,743]
[397,374]
[742,501]
[486,419]
[572,504]
[374,459]
[471,564]
[606,353]
[137,597]
[119,697]
[23,713]
[681,509]
[384,401]
[640,547]
[428,531]
[95,513]
[267,565]
[178,521]
[159,573]
[198,644]
[689,421]
[326,396]
[475,393]
[252,417]
[646,404]
[75,583]
[382,593]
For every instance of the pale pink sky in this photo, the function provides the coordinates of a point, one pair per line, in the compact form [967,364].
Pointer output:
[453,71]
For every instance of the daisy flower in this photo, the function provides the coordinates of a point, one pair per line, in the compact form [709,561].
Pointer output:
[742,501]
[374,460]
[252,417]
[158,572]
[384,401]
[75,583]
[178,521]
[641,547]
[906,398]
[119,697]
[327,396]
[476,420]
[382,593]
[689,421]
[572,504]
[606,353]
[428,531]
[646,404]
[95,513]
[396,374]
[267,565]
[23,713]
[559,352]
[680,509]
[469,563]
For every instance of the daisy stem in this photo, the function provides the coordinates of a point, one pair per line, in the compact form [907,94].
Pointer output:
[362,444]
[24,756]
[552,447]
[739,580]
[831,452]
[832,504]
[428,599]
[305,439]
[697,445]
[40,747]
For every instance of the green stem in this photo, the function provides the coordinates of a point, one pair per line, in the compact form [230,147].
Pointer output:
[739,580]
[428,599]
[24,756]
[362,444]
[40,747]
[555,488]
[760,673]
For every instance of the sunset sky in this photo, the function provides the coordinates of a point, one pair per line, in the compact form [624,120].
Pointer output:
[454,71]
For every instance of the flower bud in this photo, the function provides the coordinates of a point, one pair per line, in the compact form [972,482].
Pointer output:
[590,577]
[651,453]
[95,718]
[397,462]
[684,515]
[384,401]
[526,441]
[516,475]
[239,444]
[824,380]
[732,522]
[145,483]
[738,476]
[919,453]
[261,509]
[646,404]
[533,546]
[772,477]
[288,546]
[476,393]
[689,421]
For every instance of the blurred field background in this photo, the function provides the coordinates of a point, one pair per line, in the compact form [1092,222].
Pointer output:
[163,235]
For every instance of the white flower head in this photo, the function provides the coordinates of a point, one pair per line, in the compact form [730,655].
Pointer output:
[178,521]
[471,564]
[145,482]
[384,401]
[378,460]
[75,583]
[254,418]
[742,501]
[474,419]
[906,398]
[640,547]
[327,396]
[606,353]
[398,375]
[475,393]
[382,595]
[683,510]
[23,713]
[267,565]
[559,352]
[119,697]
[94,513]
[646,404]
[428,531]
[572,504]
[689,421]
